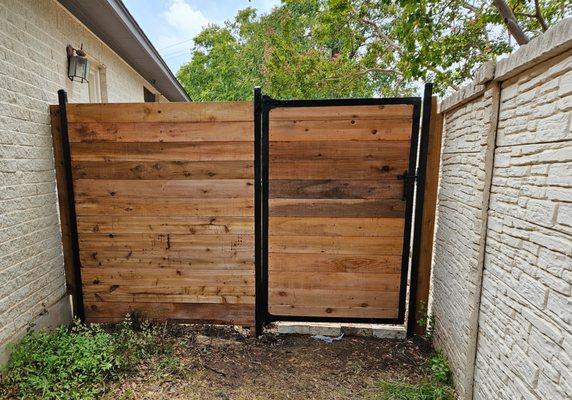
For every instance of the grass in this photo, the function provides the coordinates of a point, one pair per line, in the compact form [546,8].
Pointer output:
[77,362]
[437,385]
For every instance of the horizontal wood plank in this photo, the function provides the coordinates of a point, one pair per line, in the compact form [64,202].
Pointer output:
[330,226]
[163,170]
[141,296]
[368,264]
[189,189]
[173,242]
[134,289]
[331,312]
[239,314]
[161,132]
[341,298]
[340,150]
[336,208]
[177,151]
[161,112]
[189,259]
[335,189]
[334,281]
[364,246]
[168,207]
[209,225]
[390,111]
[162,277]
[337,169]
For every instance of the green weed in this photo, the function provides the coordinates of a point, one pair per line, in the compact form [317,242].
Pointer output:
[76,362]
[437,385]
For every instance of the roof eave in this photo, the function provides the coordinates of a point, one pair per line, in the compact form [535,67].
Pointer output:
[113,24]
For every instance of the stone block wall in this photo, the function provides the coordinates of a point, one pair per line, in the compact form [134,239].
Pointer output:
[503,246]
[33,66]
[459,248]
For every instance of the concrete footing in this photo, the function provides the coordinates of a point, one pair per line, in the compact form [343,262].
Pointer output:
[332,329]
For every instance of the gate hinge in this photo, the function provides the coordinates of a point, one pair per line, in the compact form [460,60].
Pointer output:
[408,179]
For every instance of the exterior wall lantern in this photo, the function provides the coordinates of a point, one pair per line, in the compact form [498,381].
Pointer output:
[78,64]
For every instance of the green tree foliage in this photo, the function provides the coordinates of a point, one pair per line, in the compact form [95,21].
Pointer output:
[353,48]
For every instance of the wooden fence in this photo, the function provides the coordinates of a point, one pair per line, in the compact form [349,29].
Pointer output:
[164,203]
[159,217]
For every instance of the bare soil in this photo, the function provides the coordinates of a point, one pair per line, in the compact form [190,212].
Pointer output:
[213,362]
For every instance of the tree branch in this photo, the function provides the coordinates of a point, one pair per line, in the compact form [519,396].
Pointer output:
[510,20]
[539,16]
[381,34]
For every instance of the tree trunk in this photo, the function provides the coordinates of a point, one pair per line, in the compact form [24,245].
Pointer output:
[510,20]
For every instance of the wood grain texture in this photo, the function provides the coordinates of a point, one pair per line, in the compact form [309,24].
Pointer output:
[161,112]
[340,150]
[391,208]
[369,264]
[209,225]
[160,151]
[336,245]
[335,280]
[331,312]
[233,314]
[335,189]
[162,258]
[161,132]
[336,210]
[165,205]
[335,226]
[190,189]
[338,169]
[163,170]
[355,113]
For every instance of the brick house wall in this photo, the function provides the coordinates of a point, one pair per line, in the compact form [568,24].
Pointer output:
[33,66]
[503,245]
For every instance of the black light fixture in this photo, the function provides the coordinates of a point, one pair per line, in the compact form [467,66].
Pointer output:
[78,64]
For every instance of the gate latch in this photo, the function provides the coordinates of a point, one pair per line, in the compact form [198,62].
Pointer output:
[408,179]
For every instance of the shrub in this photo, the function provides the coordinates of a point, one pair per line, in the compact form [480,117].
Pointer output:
[74,362]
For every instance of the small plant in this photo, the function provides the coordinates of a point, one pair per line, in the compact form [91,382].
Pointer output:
[437,385]
[427,321]
[439,369]
[75,362]
[407,391]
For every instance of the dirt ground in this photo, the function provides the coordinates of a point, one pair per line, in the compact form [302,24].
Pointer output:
[222,363]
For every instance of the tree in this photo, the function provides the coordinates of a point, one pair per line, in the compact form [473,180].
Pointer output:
[359,48]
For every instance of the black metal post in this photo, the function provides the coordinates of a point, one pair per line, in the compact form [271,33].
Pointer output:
[265,171]
[66,153]
[259,319]
[419,197]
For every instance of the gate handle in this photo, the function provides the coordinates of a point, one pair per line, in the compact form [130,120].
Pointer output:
[407,179]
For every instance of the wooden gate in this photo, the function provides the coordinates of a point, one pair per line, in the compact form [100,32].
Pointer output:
[242,213]
[337,180]
[163,196]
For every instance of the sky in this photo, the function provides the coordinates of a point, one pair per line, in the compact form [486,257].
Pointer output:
[172,24]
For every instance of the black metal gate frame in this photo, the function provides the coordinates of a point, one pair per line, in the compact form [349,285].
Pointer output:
[415,174]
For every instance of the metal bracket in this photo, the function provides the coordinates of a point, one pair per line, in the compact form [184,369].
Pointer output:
[407,179]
